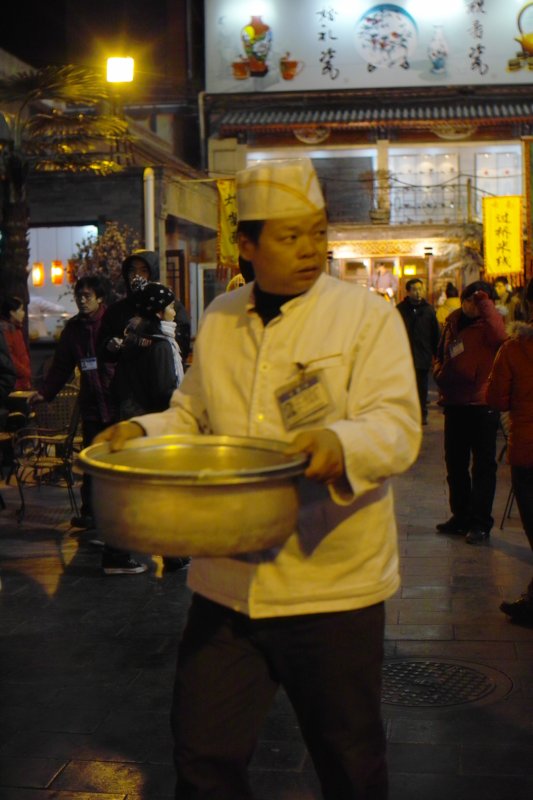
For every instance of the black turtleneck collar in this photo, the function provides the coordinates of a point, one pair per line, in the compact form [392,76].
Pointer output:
[465,321]
[268,305]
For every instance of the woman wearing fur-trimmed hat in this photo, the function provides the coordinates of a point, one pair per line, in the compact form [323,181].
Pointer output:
[150,366]
[143,265]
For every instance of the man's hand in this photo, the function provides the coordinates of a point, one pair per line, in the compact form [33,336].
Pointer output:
[325,449]
[479,296]
[36,398]
[117,435]
[114,344]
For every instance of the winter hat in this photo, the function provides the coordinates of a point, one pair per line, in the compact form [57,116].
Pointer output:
[278,189]
[153,297]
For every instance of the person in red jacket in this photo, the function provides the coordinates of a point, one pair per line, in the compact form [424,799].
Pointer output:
[12,313]
[511,389]
[466,351]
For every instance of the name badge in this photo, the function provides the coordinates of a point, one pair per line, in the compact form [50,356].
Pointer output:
[86,364]
[302,401]
[456,348]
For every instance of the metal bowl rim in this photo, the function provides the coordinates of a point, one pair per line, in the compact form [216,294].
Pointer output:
[291,468]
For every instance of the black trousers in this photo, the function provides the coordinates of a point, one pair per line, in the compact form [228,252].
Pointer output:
[470,452]
[229,669]
[89,430]
[522,479]
[422,385]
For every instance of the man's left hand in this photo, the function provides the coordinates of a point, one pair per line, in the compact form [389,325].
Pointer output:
[325,449]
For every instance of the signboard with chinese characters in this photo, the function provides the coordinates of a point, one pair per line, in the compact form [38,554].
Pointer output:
[301,45]
[227,249]
[502,233]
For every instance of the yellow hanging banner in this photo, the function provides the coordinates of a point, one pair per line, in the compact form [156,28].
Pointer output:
[502,235]
[227,250]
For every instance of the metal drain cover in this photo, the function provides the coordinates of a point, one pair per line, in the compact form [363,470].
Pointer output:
[436,683]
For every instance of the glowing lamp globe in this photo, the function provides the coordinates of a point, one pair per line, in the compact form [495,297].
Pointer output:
[56,272]
[37,273]
[120,70]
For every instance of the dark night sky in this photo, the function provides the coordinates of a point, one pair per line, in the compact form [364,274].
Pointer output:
[34,31]
[37,30]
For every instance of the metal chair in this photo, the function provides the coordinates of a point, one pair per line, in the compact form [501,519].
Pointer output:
[44,449]
[13,419]
[504,428]
[508,507]
[5,441]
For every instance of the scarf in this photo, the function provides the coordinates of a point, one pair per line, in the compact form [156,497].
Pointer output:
[168,329]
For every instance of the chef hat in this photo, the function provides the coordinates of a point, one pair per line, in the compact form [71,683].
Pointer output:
[277,189]
[153,297]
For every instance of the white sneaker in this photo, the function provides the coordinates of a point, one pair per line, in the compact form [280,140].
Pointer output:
[122,566]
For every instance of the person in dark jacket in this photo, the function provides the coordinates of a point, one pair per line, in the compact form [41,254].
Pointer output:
[423,332]
[150,366]
[77,348]
[469,343]
[143,264]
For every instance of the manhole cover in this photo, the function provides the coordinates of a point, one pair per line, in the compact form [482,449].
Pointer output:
[435,683]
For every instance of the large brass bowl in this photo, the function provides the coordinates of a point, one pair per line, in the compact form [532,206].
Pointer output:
[194,495]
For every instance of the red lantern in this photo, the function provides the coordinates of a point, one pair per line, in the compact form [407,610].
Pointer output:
[56,272]
[72,268]
[37,273]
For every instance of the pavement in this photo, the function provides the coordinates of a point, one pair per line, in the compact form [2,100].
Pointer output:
[86,662]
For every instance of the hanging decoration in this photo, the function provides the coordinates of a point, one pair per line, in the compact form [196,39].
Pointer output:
[37,273]
[72,270]
[56,273]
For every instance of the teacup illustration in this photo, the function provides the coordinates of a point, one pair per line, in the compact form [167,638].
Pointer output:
[290,67]
[241,69]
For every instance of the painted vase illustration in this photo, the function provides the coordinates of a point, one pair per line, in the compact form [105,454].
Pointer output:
[438,51]
[257,40]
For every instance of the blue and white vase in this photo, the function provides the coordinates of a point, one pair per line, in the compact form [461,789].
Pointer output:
[438,51]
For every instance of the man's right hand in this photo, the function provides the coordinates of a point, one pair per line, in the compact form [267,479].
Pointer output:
[117,435]
[114,344]
[36,398]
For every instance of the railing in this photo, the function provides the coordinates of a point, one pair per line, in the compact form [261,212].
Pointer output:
[446,204]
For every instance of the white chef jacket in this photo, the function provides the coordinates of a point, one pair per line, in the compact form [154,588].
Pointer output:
[343,554]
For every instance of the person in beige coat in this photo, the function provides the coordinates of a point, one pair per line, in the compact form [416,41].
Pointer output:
[308,615]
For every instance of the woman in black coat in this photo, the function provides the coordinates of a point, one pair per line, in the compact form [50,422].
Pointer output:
[149,368]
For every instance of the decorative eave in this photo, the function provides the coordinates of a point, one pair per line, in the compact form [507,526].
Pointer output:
[436,116]
[453,112]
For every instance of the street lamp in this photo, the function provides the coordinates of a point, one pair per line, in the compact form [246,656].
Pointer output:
[120,70]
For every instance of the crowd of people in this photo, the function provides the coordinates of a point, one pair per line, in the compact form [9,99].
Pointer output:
[482,363]
[119,372]
[308,615]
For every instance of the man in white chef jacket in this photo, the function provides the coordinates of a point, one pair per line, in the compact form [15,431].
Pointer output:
[309,615]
